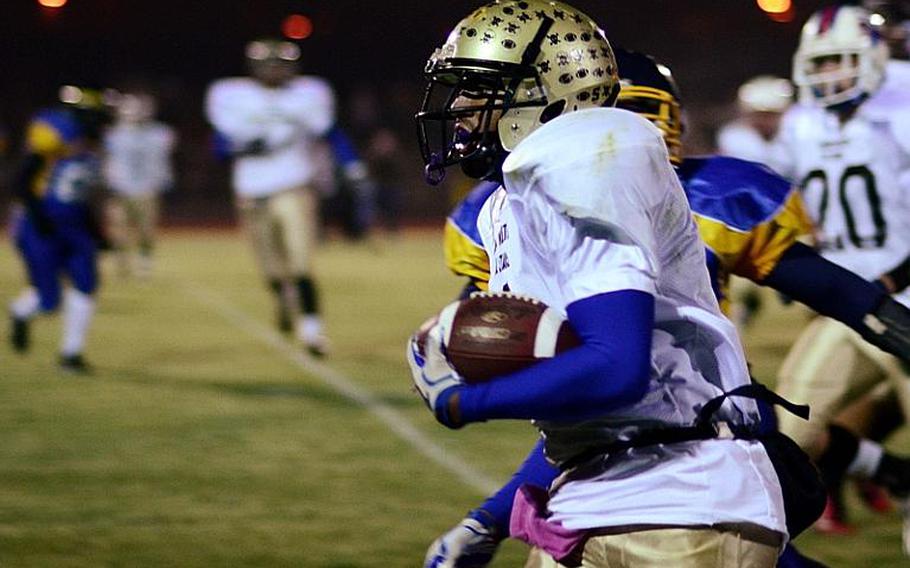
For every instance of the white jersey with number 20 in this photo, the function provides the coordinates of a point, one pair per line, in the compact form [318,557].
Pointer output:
[855,177]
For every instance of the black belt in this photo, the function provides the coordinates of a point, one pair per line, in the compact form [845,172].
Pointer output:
[702,429]
[747,531]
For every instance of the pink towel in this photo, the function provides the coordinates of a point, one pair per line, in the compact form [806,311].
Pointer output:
[529,524]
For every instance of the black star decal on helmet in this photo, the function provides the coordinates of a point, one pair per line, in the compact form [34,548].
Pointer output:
[559,14]
[605,51]
[487,37]
[562,59]
[599,72]
[513,28]
[524,17]
[540,14]
[496,21]
[578,19]
[593,53]
[554,39]
[544,66]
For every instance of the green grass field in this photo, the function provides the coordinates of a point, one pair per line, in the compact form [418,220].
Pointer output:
[204,439]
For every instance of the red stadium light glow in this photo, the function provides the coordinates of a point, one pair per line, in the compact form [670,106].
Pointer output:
[297,26]
[52,3]
[778,10]
[775,6]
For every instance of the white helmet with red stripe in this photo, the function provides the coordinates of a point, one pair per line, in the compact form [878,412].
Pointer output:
[841,59]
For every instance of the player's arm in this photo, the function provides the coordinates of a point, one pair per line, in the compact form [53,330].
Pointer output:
[831,290]
[29,170]
[228,113]
[609,370]
[474,540]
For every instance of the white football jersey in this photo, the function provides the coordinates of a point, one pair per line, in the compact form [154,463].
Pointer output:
[137,158]
[855,178]
[286,119]
[592,205]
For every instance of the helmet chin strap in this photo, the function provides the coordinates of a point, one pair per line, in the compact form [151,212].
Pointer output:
[485,162]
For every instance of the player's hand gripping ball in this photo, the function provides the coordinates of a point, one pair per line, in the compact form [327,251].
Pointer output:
[490,335]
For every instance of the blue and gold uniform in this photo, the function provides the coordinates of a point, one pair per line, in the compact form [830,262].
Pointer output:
[747,215]
[55,234]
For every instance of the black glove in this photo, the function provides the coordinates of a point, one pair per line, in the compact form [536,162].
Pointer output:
[888,328]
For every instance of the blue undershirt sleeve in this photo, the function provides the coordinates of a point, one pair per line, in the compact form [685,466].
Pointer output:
[608,371]
[833,291]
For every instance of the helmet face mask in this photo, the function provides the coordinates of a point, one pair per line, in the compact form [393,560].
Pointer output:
[458,121]
[834,78]
[505,70]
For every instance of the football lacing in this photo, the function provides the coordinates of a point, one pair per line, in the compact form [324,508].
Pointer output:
[522,297]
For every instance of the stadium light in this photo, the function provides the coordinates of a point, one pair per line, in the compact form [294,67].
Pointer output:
[297,26]
[52,3]
[777,10]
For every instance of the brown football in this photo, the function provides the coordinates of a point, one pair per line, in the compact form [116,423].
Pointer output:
[489,335]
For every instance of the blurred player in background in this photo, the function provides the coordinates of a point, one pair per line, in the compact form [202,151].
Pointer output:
[848,145]
[761,102]
[137,169]
[56,231]
[515,111]
[270,121]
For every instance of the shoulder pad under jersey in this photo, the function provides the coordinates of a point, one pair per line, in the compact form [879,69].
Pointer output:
[739,193]
[464,215]
[583,160]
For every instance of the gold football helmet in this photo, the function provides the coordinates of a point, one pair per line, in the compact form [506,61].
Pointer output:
[272,61]
[505,70]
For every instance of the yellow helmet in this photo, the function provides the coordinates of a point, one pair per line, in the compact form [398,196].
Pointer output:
[649,90]
[523,62]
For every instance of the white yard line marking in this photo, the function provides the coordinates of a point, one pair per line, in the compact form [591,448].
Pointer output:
[341,384]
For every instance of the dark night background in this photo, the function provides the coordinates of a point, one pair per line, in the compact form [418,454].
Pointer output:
[373,50]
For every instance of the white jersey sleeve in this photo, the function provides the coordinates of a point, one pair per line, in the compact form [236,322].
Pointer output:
[230,106]
[313,101]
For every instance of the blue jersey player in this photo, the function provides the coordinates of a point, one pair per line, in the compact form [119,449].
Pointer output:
[750,220]
[55,231]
